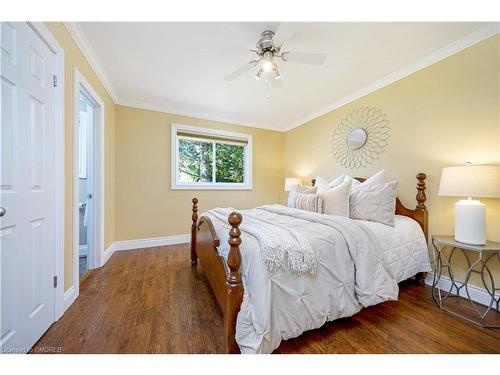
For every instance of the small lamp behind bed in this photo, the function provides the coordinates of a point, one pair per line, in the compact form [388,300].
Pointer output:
[478,181]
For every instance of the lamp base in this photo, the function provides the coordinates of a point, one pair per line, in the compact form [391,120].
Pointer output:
[470,222]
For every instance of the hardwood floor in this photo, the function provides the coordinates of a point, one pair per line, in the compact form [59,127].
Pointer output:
[152,301]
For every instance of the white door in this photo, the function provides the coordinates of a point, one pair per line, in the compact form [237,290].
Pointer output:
[26,188]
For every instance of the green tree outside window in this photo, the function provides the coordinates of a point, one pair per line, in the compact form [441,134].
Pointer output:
[196,161]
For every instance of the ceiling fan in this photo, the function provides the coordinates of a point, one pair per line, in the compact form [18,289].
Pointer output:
[269,50]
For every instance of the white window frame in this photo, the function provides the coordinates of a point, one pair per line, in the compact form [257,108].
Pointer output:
[231,136]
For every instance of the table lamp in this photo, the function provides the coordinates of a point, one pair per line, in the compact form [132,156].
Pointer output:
[478,181]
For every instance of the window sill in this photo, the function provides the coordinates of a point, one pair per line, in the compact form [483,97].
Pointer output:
[210,187]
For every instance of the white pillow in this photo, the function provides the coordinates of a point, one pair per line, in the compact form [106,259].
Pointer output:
[374,203]
[378,178]
[321,184]
[295,190]
[336,182]
[336,199]
[343,178]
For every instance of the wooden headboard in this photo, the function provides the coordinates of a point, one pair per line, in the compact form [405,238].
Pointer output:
[419,214]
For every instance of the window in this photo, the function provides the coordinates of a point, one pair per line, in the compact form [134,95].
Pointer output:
[210,159]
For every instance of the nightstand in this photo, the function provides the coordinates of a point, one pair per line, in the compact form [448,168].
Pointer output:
[477,258]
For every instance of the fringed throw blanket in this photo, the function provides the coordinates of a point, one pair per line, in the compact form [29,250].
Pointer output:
[280,247]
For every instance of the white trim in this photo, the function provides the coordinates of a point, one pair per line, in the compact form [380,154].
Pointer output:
[465,42]
[151,242]
[84,45]
[477,294]
[59,175]
[202,115]
[69,297]
[144,243]
[96,227]
[174,185]
[469,40]
[108,252]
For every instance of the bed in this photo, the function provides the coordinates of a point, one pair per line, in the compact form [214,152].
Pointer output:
[356,264]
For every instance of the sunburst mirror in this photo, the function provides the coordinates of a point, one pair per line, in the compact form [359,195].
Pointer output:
[360,137]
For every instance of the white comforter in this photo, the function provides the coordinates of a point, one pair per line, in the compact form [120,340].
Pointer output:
[351,274]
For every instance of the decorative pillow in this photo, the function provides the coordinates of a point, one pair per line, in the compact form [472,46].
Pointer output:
[336,199]
[374,203]
[295,190]
[378,178]
[336,182]
[321,184]
[309,202]
[343,178]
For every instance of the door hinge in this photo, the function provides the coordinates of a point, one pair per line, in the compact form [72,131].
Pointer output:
[55,80]
[55,281]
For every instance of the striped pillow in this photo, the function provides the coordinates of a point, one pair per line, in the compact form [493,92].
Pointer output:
[309,202]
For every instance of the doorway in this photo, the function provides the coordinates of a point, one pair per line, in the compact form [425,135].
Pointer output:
[88,183]
[85,183]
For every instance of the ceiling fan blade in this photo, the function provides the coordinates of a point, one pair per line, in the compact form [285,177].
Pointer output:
[238,72]
[304,57]
[285,31]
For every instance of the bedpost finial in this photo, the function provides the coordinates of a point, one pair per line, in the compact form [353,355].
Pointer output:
[234,256]
[421,197]
[313,181]
[194,217]
[234,219]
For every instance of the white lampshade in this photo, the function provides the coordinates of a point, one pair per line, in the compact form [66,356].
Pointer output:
[478,181]
[290,181]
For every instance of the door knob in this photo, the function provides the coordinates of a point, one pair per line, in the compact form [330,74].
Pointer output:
[3,211]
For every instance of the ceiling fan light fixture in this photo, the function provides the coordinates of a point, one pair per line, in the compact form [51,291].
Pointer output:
[267,65]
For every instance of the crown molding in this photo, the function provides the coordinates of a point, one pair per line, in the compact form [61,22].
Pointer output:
[202,115]
[85,47]
[469,40]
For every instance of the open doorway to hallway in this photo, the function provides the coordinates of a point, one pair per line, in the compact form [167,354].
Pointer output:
[85,181]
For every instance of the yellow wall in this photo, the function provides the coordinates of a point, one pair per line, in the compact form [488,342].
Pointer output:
[443,115]
[145,204]
[74,58]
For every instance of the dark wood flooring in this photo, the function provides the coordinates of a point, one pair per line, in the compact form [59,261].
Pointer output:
[152,301]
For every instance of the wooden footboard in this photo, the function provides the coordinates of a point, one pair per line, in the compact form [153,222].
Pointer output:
[224,277]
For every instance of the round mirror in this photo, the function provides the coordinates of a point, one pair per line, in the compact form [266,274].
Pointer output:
[356,138]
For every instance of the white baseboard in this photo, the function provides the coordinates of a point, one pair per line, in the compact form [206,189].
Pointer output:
[151,242]
[145,243]
[70,297]
[107,253]
[477,294]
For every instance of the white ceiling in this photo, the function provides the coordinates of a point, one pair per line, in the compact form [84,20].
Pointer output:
[180,67]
